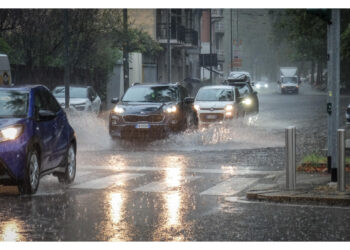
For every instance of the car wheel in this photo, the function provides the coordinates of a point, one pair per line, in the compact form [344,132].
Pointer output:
[30,183]
[71,165]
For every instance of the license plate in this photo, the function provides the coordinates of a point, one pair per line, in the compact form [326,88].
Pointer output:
[142,125]
[211,116]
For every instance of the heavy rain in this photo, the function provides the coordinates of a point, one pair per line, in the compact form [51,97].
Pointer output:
[172,125]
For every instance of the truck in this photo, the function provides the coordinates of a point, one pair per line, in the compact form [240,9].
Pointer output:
[289,80]
[5,71]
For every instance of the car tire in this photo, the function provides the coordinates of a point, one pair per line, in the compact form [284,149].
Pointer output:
[71,166]
[30,183]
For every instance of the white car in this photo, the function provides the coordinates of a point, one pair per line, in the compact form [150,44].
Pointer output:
[217,103]
[82,98]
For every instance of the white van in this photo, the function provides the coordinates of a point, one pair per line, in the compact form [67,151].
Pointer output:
[5,71]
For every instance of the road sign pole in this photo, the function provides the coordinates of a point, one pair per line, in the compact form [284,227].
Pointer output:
[335,64]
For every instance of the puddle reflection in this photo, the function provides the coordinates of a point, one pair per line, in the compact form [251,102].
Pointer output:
[11,231]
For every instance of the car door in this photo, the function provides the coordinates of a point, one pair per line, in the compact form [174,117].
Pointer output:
[44,129]
[60,133]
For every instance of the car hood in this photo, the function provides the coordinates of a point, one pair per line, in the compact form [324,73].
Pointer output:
[207,104]
[138,108]
[72,100]
[4,122]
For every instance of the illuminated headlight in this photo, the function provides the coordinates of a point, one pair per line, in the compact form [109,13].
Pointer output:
[247,101]
[118,110]
[170,109]
[10,133]
[266,85]
[297,86]
[258,86]
[229,108]
[196,107]
[229,114]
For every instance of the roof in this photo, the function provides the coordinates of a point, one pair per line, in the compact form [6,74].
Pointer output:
[217,87]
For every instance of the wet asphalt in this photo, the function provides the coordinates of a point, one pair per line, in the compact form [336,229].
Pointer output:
[188,187]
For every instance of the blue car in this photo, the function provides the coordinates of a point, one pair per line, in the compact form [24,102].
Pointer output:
[35,138]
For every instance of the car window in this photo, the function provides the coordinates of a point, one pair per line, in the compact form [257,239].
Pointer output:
[13,103]
[214,94]
[74,92]
[151,94]
[43,100]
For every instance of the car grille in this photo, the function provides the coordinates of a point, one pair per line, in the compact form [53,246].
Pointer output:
[203,117]
[143,118]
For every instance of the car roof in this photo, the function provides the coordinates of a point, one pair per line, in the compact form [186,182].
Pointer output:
[74,86]
[25,87]
[154,84]
[217,87]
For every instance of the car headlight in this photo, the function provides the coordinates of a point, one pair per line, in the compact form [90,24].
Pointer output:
[196,107]
[266,85]
[229,108]
[118,110]
[10,133]
[247,101]
[170,109]
[258,86]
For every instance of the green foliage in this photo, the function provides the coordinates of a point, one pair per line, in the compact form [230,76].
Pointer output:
[319,159]
[4,47]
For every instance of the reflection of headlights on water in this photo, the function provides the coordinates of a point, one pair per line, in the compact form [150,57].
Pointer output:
[118,110]
[196,107]
[247,101]
[10,133]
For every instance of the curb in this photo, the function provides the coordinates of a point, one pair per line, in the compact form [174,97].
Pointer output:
[337,198]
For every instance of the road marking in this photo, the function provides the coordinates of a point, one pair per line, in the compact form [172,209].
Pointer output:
[105,182]
[165,185]
[231,186]
[224,170]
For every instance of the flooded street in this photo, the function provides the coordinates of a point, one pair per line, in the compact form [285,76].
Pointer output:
[188,187]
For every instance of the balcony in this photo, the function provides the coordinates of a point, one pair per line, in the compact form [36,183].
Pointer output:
[217,13]
[191,38]
[177,34]
[219,27]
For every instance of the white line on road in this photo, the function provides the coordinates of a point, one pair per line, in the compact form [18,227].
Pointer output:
[231,186]
[225,170]
[165,186]
[105,182]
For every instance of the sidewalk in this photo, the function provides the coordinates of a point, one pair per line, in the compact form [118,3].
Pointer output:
[310,188]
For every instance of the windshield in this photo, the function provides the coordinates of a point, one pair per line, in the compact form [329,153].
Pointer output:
[289,80]
[150,94]
[74,92]
[215,95]
[13,103]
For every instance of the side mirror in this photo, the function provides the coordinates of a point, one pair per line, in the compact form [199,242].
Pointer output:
[45,115]
[115,100]
[189,100]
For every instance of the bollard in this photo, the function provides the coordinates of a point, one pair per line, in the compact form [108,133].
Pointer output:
[341,160]
[290,155]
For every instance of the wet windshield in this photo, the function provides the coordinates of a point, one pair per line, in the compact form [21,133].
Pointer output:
[150,94]
[13,103]
[215,95]
[289,80]
[74,92]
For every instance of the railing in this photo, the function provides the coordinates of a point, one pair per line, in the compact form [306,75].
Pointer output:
[177,33]
[219,27]
[217,13]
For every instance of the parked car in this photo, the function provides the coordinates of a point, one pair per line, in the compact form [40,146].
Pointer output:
[36,138]
[217,103]
[152,110]
[242,83]
[82,98]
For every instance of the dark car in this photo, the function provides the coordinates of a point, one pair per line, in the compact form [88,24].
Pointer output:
[152,110]
[35,138]
[248,96]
